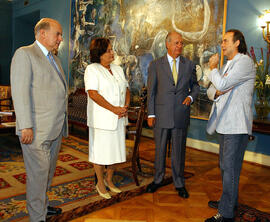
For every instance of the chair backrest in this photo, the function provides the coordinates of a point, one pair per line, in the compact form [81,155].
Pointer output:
[140,114]
[140,119]
[5,98]
[77,106]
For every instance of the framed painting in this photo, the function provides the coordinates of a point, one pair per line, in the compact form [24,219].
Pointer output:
[137,30]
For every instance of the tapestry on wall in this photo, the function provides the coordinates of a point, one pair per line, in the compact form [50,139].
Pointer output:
[137,30]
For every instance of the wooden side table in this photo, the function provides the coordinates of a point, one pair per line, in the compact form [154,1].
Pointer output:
[261,125]
[7,121]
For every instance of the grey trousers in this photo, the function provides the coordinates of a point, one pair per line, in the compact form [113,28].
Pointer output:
[40,162]
[231,154]
[178,152]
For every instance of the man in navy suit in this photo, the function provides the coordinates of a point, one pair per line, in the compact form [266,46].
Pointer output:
[172,87]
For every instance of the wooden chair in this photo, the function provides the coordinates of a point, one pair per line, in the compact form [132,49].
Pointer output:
[7,113]
[136,130]
[6,104]
[5,98]
[136,117]
[77,106]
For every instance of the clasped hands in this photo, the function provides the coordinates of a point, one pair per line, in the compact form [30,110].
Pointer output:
[120,111]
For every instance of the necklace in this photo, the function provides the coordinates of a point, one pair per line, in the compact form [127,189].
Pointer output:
[110,71]
[106,67]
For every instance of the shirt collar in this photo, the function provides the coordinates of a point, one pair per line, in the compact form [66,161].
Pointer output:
[235,57]
[170,59]
[43,48]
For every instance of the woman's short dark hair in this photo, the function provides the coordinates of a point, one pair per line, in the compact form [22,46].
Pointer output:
[98,47]
[237,35]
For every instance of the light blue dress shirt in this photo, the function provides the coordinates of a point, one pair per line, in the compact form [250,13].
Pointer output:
[46,52]
[43,49]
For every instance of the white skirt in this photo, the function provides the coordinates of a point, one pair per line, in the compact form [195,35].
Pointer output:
[107,147]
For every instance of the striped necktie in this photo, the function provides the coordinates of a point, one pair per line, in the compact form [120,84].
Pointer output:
[53,63]
[174,71]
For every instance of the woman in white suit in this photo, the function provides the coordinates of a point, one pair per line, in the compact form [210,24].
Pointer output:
[107,107]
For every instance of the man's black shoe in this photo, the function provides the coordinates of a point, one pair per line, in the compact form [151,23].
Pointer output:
[53,211]
[152,187]
[218,218]
[213,204]
[182,192]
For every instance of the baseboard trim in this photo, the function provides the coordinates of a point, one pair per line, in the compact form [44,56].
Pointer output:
[253,157]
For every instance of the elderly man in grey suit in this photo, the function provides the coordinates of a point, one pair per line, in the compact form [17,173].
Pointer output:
[172,87]
[39,93]
[231,117]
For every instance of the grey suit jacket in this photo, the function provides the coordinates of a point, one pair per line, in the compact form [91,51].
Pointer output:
[232,112]
[39,95]
[164,99]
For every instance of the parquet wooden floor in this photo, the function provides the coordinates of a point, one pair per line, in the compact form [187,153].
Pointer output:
[166,206]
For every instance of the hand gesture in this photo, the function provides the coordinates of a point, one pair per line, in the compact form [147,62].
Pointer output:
[219,93]
[187,101]
[214,61]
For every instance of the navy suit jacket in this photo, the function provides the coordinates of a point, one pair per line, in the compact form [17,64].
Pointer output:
[164,99]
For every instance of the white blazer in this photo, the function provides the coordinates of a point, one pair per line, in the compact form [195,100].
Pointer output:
[232,112]
[111,87]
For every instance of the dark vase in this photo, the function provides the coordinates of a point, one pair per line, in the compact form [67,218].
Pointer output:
[262,109]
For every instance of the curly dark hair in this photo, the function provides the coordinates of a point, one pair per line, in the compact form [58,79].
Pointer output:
[238,35]
[98,47]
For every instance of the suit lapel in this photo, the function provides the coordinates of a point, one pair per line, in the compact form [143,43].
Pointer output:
[61,71]
[235,59]
[50,69]
[166,67]
[44,61]
[181,69]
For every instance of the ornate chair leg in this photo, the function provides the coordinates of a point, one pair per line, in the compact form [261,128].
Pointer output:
[139,164]
[135,174]
[95,179]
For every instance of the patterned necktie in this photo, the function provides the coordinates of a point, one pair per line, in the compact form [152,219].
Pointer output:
[174,71]
[52,61]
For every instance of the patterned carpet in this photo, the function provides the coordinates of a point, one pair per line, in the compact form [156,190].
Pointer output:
[249,214]
[73,185]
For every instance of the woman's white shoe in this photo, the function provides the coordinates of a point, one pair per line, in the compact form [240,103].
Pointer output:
[104,195]
[115,190]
